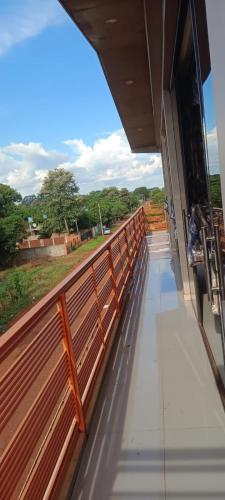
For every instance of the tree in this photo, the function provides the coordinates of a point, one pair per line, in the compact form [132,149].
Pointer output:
[12,230]
[157,195]
[130,199]
[12,226]
[93,210]
[8,198]
[215,188]
[114,204]
[34,210]
[142,193]
[59,199]
[119,210]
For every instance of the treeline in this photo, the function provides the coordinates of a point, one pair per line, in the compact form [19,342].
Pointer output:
[60,208]
[215,189]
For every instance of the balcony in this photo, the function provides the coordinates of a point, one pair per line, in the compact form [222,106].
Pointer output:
[158,429]
[156,426]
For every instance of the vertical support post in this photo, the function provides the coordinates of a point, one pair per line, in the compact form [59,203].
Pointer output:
[128,253]
[68,347]
[143,221]
[98,307]
[120,253]
[139,226]
[135,235]
[113,279]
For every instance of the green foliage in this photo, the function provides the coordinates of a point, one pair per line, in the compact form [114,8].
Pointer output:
[58,206]
[13,287]
[12,230]
[215,188]
[21,287]
[12,227]
[114,204]
[48,227]
[8,198]
[157,195]
[130,199]
[105,208]
[59,200]
[34,210]
[119,209]
[142,193]
[84,220]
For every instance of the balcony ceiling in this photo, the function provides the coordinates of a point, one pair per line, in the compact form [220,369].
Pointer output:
[119,33]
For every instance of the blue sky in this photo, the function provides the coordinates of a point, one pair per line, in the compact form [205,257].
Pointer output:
[52,84]
[56,108]
[210,124]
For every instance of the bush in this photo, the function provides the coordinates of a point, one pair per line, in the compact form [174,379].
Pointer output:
[13,286]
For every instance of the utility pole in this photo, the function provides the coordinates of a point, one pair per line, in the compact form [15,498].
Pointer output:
[100,217]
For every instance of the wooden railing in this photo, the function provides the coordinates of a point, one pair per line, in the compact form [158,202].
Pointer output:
[50,363]
[155,217]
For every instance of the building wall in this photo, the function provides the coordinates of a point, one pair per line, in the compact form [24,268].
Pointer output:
[71,239]
[29,254]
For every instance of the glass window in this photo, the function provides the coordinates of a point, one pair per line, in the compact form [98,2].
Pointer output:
[211,144]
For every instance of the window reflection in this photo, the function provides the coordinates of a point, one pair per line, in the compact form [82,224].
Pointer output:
[211,144]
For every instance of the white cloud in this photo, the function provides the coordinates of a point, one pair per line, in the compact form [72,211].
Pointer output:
[108,162]
[213,157]
[23,166]
[22,19]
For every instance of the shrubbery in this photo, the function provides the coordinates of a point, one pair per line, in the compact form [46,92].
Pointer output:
[13,286]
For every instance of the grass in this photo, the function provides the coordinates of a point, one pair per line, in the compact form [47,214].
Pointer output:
[23,286]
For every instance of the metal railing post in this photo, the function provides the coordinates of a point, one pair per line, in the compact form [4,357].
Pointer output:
[68,346]
[128,253]
[143,221]
[98,307]
[135,236]
[113,279]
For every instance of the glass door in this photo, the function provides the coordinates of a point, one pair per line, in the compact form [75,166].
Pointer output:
[214,242]
[213,228]
[197,125]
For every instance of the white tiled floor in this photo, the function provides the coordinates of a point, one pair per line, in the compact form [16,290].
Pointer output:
[159,427]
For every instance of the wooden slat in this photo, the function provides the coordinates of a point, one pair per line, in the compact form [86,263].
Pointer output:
[105,292]
[89,362]
[101,269]
[42,472]
[16,456]
[84,330]
[26,368]
[79,298]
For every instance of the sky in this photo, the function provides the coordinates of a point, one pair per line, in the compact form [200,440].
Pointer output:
[55,107]
[210,125]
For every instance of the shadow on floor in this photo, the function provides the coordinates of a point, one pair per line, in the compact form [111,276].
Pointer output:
[110,458]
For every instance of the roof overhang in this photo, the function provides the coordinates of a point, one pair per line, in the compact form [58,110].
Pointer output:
[135,41]
[127,36]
